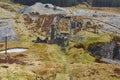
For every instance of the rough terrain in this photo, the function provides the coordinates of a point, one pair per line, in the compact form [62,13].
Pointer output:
[44,61]
[110,21]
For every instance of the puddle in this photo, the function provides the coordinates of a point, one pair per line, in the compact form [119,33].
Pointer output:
[14,50]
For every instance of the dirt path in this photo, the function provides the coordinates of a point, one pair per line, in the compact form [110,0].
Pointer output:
[64,75]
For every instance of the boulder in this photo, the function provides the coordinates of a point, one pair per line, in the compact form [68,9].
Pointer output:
[106,50]
[43,9]
[9,32]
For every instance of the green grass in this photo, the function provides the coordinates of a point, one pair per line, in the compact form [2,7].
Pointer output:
[75,55]
[105,37]
[86,58]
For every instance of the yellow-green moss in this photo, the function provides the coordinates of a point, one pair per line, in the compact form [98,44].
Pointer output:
[75,55]
[105,37]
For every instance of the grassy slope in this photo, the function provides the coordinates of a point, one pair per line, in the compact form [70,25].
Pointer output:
[48,61]
[8,9]
[62,65]
[103,9]
[10,6]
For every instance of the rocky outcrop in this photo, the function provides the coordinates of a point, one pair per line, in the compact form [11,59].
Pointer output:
[7,30]
[106,50]
[43,9]
[116,52]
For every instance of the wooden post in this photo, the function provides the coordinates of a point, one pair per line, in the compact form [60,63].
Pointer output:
[7,55]
[6,45]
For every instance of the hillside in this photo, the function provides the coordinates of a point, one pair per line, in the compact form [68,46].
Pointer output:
[8,5]
[5,13]
[61,43]
[64,3]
